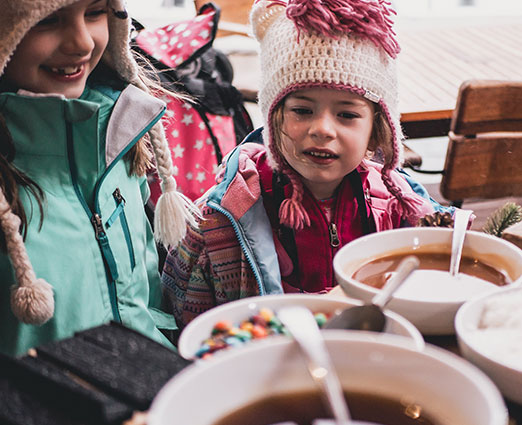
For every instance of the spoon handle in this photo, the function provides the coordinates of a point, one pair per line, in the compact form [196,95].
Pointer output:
[406,266]
[300,322]
[460,226]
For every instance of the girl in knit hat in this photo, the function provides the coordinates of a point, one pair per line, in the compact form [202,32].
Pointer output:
[77,128]
[326,173]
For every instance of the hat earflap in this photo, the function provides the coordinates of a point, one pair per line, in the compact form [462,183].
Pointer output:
[32,300]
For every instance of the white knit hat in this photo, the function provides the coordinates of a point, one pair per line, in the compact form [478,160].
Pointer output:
[341,44]
[32,300]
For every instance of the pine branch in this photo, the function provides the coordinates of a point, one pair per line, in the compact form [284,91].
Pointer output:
[502,218]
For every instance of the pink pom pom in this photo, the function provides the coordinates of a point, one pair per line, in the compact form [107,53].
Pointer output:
[293,215]
[367,18]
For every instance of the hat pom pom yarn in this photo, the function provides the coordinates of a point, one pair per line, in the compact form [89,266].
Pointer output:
[33,303]
[292,214]
[370,19]
[173,212]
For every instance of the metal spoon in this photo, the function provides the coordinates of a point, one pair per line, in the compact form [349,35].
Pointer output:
[370,317]
[460,225]
[300,322]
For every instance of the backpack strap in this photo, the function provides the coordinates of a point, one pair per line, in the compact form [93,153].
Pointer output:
[286,233]
[357,187]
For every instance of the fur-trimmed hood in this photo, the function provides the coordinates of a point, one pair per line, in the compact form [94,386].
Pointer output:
[19,16]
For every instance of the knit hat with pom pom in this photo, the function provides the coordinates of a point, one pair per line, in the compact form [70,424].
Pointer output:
[32,299]
[340,44]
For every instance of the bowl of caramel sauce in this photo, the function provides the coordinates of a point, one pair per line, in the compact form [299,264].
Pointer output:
[386,379]
[430,297]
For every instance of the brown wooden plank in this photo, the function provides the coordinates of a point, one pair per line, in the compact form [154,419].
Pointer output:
[482,167]
[426,115]
[485,105]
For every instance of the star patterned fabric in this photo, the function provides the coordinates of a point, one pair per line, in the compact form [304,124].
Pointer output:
[193,135]
[174,44]
[192,148]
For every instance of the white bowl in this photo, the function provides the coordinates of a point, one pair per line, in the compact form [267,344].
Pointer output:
[200,328]
[451,390]
[485,346]
[432,316]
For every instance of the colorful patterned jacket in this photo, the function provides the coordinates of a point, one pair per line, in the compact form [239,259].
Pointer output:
[236,252]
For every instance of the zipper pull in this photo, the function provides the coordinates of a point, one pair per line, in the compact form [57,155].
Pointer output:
[117,195]
[334,237]
[367,196]
[98,226]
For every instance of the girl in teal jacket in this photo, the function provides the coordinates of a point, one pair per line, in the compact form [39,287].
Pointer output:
[77,125]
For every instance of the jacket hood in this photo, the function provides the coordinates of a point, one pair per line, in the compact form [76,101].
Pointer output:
[19,16]
[238,182]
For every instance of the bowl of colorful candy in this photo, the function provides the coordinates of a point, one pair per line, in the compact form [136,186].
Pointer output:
[385,378]
[251,319]
[489,334]
[430,297]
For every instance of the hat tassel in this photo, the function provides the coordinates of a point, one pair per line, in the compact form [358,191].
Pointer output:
[172,214]
[293,215]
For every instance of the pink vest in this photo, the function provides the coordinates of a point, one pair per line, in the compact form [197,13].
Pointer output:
[313,248]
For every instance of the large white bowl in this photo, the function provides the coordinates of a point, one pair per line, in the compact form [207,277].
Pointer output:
[200,328]
[482,349]
[450,389]
[430,316]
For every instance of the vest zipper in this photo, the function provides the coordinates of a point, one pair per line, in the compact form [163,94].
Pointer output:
[334,237]
[119,212]
[333,234]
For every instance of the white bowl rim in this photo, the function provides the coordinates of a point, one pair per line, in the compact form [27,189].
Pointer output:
[221,310]
[492,393]
[460,323]
[402,299]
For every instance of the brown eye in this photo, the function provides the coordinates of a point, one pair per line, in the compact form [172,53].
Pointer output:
[348,115]
[301,111]
[50,20]
[97,12]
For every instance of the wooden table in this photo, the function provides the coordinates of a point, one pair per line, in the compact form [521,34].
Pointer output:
[436,57]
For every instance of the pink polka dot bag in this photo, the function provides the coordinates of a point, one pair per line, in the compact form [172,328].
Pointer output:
[203,130]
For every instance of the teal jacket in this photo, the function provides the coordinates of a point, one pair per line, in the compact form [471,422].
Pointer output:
[95,245]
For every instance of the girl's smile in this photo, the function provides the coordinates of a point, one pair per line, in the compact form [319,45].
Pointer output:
[66,74]
[321,156]
[60,52]
[326,133]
